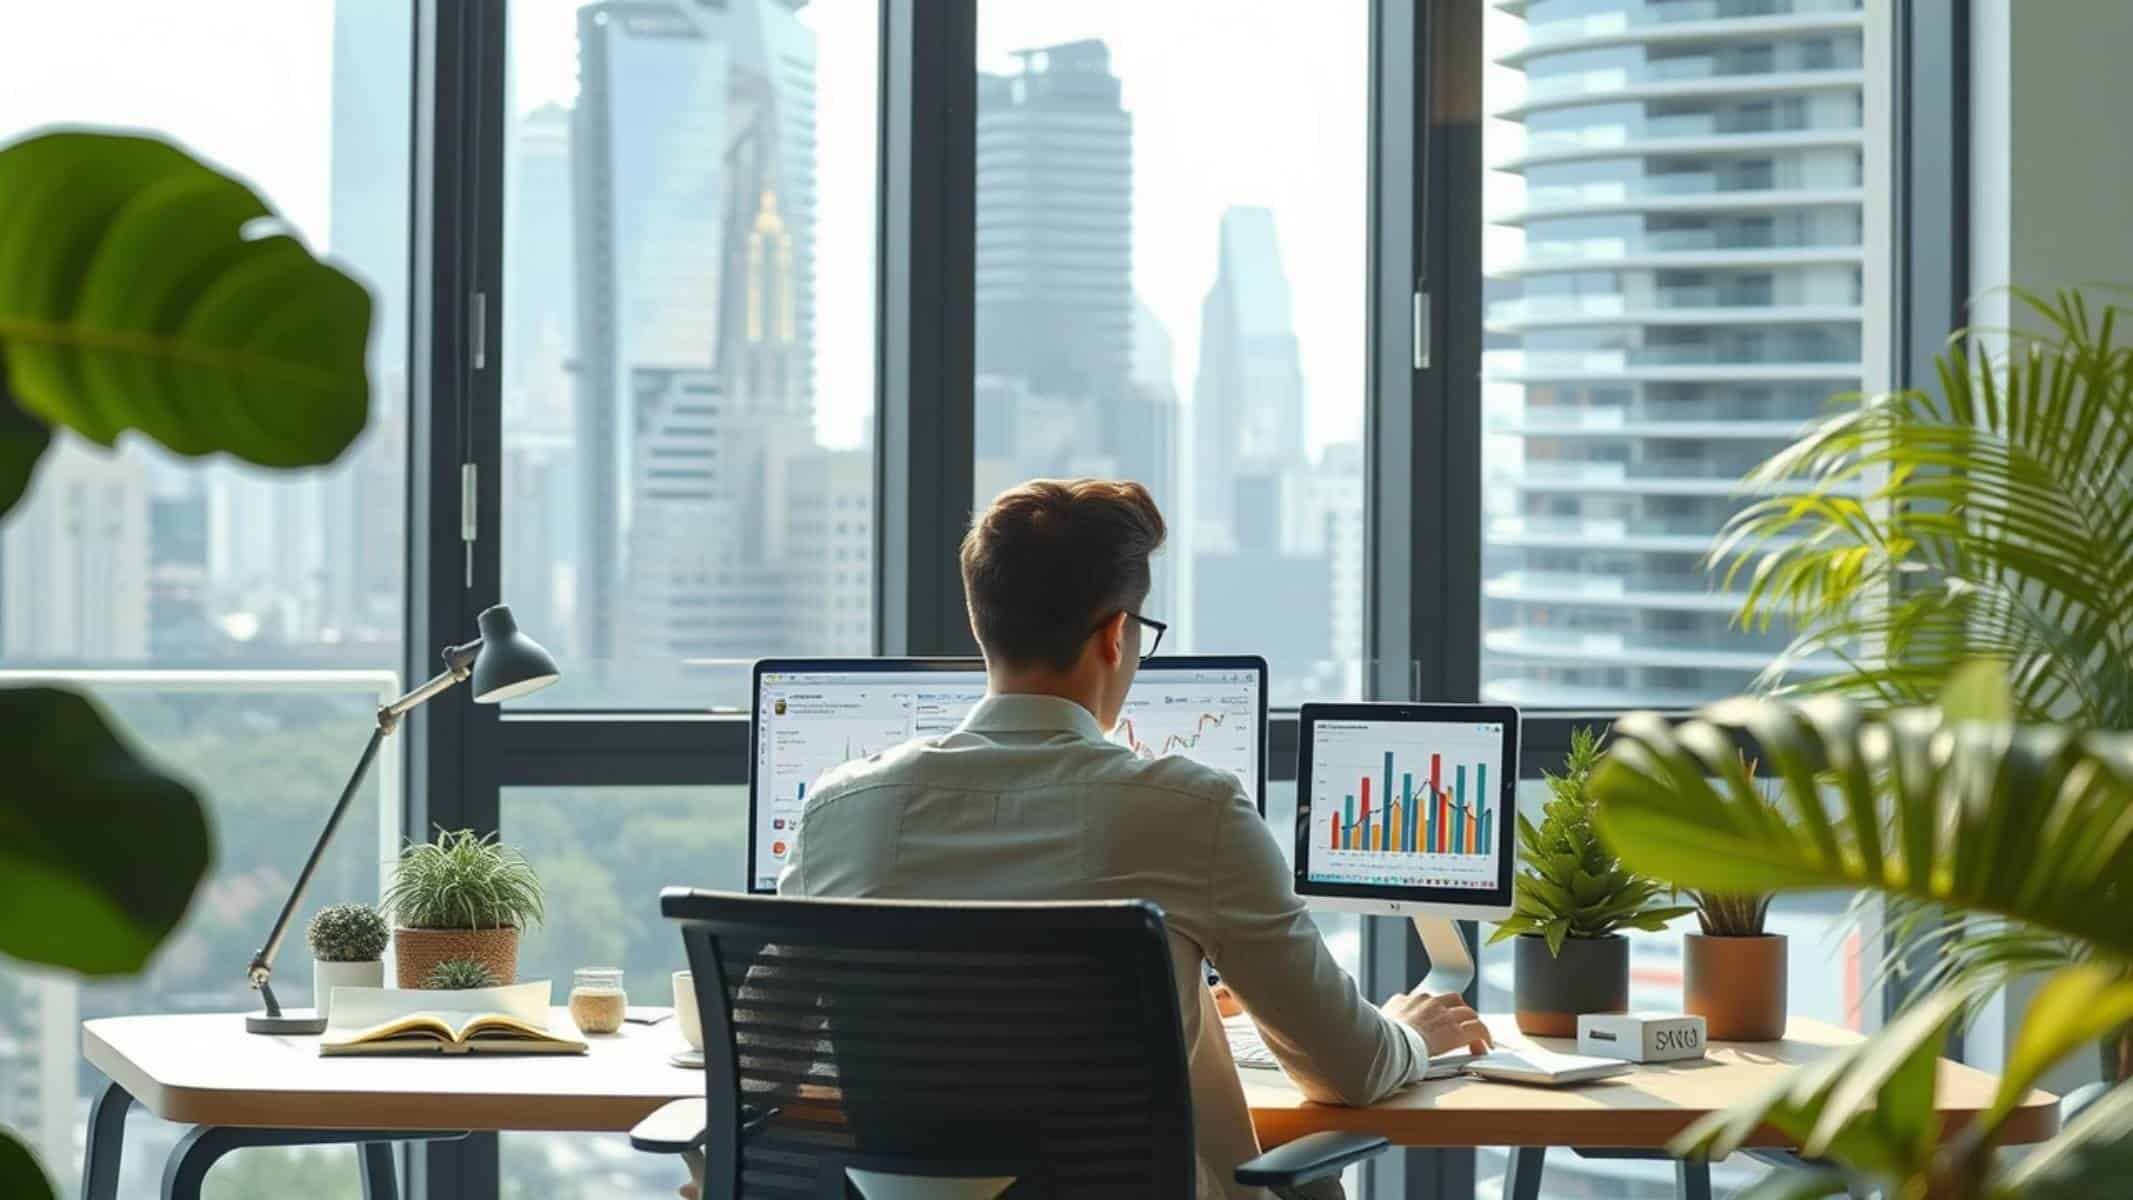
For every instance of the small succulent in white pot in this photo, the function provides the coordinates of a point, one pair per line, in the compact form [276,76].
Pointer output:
[347,950]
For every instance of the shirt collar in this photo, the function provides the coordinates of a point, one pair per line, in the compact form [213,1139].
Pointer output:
[1032,714]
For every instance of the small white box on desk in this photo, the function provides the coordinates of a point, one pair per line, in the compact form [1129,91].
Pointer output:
[1641,1037]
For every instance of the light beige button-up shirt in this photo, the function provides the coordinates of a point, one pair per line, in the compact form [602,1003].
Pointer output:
[1028,801]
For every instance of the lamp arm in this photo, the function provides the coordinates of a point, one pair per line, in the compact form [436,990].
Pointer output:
[458,665]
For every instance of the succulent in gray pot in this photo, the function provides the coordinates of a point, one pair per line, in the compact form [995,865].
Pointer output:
[1571,900]
[347,950]
[461,896]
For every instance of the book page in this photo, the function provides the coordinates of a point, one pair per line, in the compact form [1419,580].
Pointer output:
[368,1012]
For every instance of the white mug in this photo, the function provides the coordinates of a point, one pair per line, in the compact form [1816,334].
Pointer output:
[691,1021]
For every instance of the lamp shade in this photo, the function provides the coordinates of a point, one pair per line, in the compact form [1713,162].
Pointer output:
[510,664]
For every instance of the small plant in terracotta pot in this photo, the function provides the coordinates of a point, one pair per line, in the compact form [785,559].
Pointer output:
[1733,972]
[1571,900]
[460,897]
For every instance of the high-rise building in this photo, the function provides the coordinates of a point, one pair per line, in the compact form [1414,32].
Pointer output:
[541,318]
[1688,294]
[1248,402]
[361,527]
[692,158]
[1063,388]
[38,1079]
[74,560]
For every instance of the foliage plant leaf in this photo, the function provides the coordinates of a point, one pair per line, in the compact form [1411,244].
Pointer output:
[100,853]
[2025,823]
[20,1176]
[2092,1156]
[138,291]
[2073,1008]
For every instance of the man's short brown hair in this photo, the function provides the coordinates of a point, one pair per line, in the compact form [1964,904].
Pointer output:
[1051,558]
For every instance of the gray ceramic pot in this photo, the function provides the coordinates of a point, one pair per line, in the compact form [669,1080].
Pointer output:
[1590,975]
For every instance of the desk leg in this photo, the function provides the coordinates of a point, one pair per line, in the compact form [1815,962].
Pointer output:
[1693,1175]
[206,1144]
[1522,1176]
[107,1141]
[379,1182]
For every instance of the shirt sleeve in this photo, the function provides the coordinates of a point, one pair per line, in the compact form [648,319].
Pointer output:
[1335,1045]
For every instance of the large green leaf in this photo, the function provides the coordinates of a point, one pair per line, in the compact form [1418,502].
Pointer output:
[2074,1008]
[99,852]
[141,289]
[2030,823]
[20,1177]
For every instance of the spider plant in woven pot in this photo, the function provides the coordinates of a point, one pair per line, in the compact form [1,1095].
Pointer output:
[2025,823]
[460,897]
[1988,519]
[1571,900]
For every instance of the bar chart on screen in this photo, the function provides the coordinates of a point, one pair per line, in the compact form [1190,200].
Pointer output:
[1408,804]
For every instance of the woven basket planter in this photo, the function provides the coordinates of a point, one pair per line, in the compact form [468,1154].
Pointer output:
[415,951]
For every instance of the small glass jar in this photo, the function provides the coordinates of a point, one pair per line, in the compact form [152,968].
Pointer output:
[597,1002]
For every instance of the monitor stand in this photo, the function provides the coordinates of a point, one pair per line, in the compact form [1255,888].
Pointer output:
[1451,967]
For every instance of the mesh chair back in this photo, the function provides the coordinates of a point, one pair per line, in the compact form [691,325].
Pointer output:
[1039,1041]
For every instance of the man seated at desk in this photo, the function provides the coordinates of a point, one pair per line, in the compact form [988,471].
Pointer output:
[1027,800]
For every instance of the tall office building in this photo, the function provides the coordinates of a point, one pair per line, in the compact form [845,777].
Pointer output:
[74,561]
[1688,294]
[38,1055]
[361,527]
[540,319]
[1248,402]
[1054,291]
[692,159]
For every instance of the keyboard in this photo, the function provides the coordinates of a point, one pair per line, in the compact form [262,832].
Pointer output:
[1246,1046]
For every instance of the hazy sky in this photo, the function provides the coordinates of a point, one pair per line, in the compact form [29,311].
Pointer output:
[1234,102]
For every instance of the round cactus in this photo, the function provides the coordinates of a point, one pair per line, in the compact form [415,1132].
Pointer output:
[348,933]
[458,974]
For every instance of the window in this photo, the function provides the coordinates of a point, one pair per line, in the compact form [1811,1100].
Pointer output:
[242,625]
[1161,298]
[603,854]
[688,342]
[1665,310]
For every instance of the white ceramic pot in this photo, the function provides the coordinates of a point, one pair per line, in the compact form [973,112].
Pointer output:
[326,976]
[685,1014]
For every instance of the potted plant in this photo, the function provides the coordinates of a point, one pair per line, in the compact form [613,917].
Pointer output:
[461,896]
[459,974]
[1733,971]
[1571,900]
[347,950]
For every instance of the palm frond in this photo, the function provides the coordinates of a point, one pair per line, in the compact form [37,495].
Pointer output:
[2034,824]
[1996,521]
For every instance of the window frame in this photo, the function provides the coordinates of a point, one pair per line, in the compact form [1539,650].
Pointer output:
[1424,224]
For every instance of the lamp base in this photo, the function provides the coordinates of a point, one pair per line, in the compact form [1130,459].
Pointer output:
[292,1022]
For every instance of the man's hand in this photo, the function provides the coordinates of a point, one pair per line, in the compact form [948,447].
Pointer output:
[1445,1022]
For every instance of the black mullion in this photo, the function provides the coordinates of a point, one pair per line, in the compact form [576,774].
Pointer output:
[458,204]
[926,362]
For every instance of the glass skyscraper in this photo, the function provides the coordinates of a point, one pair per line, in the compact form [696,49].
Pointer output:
[1676,291]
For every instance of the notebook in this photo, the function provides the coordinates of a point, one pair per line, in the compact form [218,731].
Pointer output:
[498,1020]
[1531,1064]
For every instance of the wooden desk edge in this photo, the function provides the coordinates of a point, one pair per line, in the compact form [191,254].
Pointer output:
[2036,1119]
[296,1109]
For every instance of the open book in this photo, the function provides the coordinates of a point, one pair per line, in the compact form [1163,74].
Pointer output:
[498,1020]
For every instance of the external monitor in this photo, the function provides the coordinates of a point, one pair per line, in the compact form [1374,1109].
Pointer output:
[811,714]
[1410,810]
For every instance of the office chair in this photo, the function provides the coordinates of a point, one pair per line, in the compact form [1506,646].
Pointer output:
[925,1049]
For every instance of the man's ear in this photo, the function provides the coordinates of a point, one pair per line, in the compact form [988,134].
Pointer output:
[1111,640]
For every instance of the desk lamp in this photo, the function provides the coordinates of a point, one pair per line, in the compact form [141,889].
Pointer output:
[504,665]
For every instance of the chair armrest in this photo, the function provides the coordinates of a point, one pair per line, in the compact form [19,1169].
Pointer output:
[1312,1156]
[678,1127]
[2073,1102]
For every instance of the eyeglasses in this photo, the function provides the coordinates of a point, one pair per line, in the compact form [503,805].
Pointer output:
[1146,623]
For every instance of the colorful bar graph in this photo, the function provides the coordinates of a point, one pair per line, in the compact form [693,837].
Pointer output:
[1438,817]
